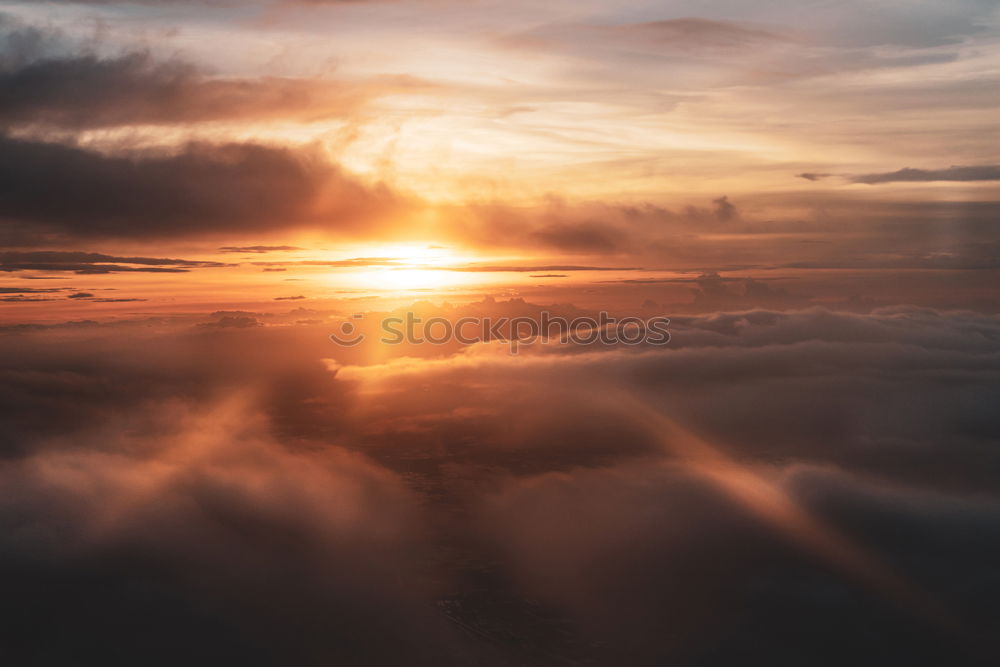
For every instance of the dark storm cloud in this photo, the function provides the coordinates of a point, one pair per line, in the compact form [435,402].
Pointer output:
[88,91]
[47,80]
[909,175]
[196,189]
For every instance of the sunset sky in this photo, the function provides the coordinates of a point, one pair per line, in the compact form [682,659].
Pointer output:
[195,194]
[850,144]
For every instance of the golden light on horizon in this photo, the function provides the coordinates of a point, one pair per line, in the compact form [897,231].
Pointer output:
[403,267]
[400,279]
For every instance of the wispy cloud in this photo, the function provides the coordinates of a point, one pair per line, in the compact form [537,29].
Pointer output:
[95,263]
[910,175]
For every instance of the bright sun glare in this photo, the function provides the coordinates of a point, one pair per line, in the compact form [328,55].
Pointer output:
[409,267]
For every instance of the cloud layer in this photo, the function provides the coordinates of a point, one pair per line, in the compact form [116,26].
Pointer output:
[261,507]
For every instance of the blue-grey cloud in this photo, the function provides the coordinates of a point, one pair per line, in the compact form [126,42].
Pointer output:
[909,175]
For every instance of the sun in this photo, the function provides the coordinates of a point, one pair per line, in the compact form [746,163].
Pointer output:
[405,267]
[397,280]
